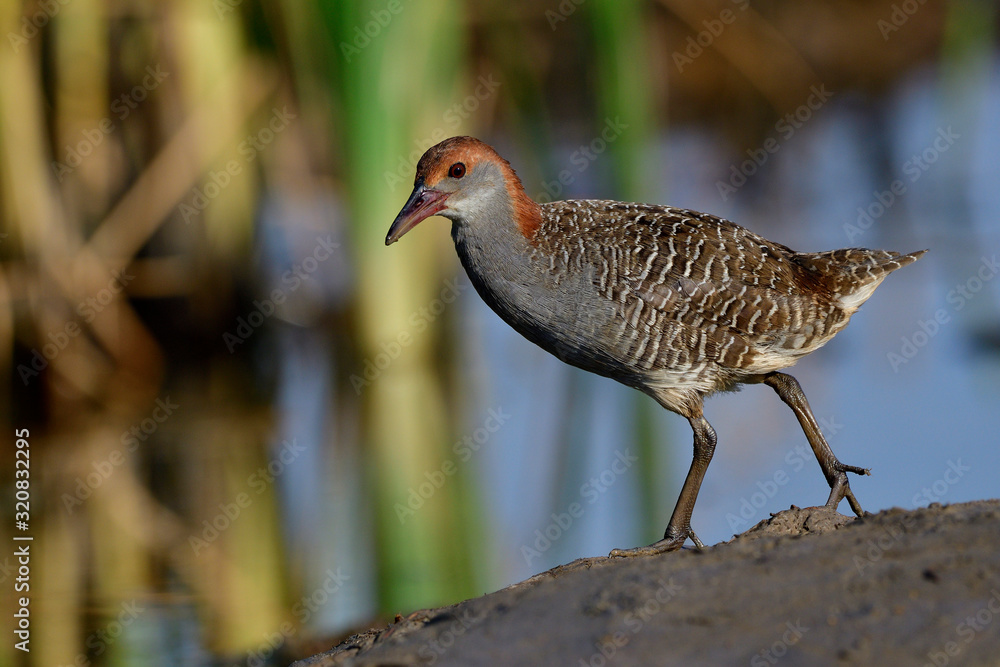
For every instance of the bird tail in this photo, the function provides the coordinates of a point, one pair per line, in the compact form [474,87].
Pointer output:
[852,274]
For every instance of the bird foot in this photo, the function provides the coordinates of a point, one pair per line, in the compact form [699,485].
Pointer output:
[668,543]
[843,467]
[841,488]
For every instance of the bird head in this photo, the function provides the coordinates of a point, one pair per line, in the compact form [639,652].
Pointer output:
[465,180]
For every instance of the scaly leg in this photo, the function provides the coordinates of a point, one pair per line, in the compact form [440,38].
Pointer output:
[835,472]
[679,528]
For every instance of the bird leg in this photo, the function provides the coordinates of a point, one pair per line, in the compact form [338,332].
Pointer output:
[679,528]
[791,393]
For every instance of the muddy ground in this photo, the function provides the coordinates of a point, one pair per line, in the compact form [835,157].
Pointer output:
[806,587]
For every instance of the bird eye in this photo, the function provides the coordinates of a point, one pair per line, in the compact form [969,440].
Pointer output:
[457,170]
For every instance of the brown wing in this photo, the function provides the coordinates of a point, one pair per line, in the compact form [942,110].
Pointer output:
[693,288]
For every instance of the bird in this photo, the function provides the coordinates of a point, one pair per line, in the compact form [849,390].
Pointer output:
[673,302]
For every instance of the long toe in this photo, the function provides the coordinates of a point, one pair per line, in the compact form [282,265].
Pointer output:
[694,538]
[668,543]
[663,546]
[841,467]
[841,489]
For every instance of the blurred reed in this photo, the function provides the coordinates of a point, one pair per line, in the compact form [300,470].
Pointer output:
[119,119]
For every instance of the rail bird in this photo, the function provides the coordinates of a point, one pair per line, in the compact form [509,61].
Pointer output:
[676,303]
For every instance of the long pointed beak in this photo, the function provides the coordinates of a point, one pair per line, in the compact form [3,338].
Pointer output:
[423,203]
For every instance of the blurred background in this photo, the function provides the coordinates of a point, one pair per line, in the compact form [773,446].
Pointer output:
[255,429]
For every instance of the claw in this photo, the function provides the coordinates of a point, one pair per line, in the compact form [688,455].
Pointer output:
[663,546]
[668,543]
[841,489]
[694,538]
